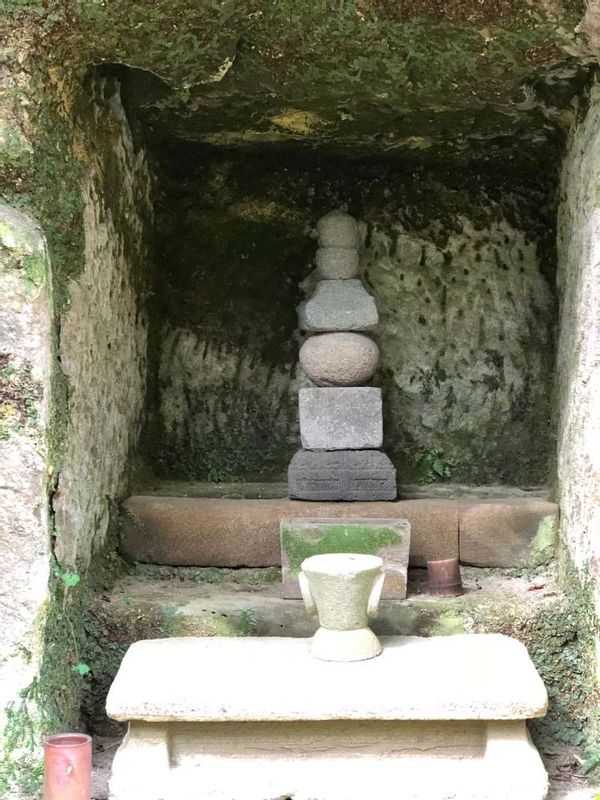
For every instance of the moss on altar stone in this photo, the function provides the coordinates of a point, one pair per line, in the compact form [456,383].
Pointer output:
[300,541]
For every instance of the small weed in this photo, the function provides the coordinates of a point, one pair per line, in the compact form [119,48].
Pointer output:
[70,579]
[433,465]
[247,621]
[81,669]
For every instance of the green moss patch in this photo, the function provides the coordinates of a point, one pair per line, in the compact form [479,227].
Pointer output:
[309,539]
[19,396]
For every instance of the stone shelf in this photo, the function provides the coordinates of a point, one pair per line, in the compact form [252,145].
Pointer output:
[178,602]
[237,531]
[259,719]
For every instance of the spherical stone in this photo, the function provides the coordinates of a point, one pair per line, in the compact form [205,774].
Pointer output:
[339,359]
[337,263]
[337,229]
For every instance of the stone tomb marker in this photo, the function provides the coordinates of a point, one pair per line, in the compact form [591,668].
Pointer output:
[387,538]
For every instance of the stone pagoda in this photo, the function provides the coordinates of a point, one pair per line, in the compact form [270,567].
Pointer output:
[341,418]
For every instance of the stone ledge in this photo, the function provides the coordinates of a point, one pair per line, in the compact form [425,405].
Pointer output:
[222,532]
[227,532]
[278,490]
[508,532]
[486,677]
[188,602]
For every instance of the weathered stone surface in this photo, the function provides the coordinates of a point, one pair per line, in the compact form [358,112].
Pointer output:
[445,343]
[329,760]
[438,372]
[343,590]
[222,532]
[341,419]
[365,475]
[103,341]
[152,602]
[337,263]
[338,306]
[273,742]
[338,229]
[220,606]
[387,538]
[508,533]
[492,678]
[25,358]
[339,359]
[578,364]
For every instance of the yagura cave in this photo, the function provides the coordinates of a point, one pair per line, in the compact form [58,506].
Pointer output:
[163,168]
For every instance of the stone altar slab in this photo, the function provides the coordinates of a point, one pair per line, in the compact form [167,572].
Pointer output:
[341,418]
[260,719]
[387,538]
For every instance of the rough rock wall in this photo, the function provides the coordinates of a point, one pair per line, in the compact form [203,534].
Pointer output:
[466,349]
[459,265]
[24,537]
[228,413]
[579,348]
[103,337]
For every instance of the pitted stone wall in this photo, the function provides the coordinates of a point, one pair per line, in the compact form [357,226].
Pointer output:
[103,338]
[214,401]
[466,347]
[579,347]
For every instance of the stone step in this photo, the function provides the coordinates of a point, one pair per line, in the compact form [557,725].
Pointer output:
[261,718]
[235,532]
[159,601]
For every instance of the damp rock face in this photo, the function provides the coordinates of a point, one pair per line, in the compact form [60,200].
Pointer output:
[338,305]
[339,359]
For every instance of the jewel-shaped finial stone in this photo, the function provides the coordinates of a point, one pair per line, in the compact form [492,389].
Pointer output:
[338,229]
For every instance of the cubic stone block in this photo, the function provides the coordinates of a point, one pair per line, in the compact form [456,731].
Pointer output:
[338,306]
[338,229]
[339,359]
[515,532]
[387,538]
[357,475]
[341,418]
[339,263]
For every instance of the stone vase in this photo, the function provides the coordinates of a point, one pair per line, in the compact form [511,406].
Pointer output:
[343,590]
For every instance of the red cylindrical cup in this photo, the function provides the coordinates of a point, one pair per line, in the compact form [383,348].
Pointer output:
[68,767]
[444,577]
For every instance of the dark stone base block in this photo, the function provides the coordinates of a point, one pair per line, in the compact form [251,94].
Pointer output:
[341,475]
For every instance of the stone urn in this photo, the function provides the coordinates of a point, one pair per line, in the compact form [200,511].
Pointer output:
[343,590]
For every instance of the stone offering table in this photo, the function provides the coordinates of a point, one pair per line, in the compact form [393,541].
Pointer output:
[260,719]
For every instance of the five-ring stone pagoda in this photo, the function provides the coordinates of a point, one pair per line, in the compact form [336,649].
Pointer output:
[341,418]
